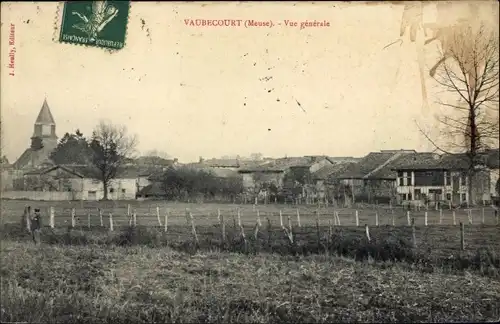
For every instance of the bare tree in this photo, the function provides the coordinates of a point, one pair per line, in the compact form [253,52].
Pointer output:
[468,70]
[111,147]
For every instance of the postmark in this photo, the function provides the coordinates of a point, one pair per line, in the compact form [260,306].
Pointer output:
[95,23]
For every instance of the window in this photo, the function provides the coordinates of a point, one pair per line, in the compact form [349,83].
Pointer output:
[464,197]
[448,196]
[401,183]
[123,190]
[447,179]
[408,179]
[418,193]
[463,179]
[409,196]
[111,190]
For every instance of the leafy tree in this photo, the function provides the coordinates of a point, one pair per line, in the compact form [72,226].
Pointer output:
[111,148]
[72,149]
[183,182]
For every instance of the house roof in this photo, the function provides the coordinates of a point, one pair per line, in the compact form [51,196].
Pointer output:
[23,160]
[330,170]
[280,165]
[416,159]
[221,163]
[365,165]
[493,158]
[84,171]
[343,159]
[458,161]
[154,161]
[45,116]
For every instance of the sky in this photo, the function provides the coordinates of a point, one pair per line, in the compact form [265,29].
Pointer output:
[211,91]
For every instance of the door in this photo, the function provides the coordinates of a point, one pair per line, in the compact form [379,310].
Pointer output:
[455,189]
[92,195]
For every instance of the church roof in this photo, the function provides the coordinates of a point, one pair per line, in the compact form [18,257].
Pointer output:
[45,116]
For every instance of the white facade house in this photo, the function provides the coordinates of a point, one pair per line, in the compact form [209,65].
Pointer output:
[79,185]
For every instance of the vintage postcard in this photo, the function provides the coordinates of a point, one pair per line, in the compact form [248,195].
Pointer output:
[249,162]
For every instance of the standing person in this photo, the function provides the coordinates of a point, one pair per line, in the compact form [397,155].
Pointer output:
[36,226]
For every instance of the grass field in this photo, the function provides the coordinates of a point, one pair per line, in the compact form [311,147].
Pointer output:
[327,274]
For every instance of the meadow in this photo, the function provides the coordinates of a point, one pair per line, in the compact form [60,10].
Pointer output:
[326,273]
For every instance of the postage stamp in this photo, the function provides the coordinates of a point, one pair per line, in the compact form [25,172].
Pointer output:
[95,23]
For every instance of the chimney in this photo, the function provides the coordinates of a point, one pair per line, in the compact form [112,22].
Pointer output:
[201,160]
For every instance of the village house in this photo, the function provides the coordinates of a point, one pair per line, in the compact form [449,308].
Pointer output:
[441,180]
[78,182]
[320,179]
[493,164]
[258,179]
[371,179]
[151,167]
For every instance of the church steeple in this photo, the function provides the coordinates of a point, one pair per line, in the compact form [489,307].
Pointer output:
[45,116]
[44,130]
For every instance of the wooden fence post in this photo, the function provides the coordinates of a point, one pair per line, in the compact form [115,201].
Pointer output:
[223,229]
[482,216]
[454,218]
[134,218]
[413,233]
[281,219]
[298,218]
[52,222]
[88,220]
[408,217]
[158,215]
[258,218]
[239,218]
[218,215]
[376,218]
[193,228]
[357,218]
[27,218]
[111,227]
[337,217]
[72,217]
[469,215]
[367,232]
[425,218]
[440,216]
[462,239]
[317,230]
[165,225]
[100,217]
[128,211]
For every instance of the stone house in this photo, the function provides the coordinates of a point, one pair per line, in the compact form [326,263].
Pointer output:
[371,179]
[444,180]
[258,179]
[80,183]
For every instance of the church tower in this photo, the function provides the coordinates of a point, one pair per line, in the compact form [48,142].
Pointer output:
[44,132]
